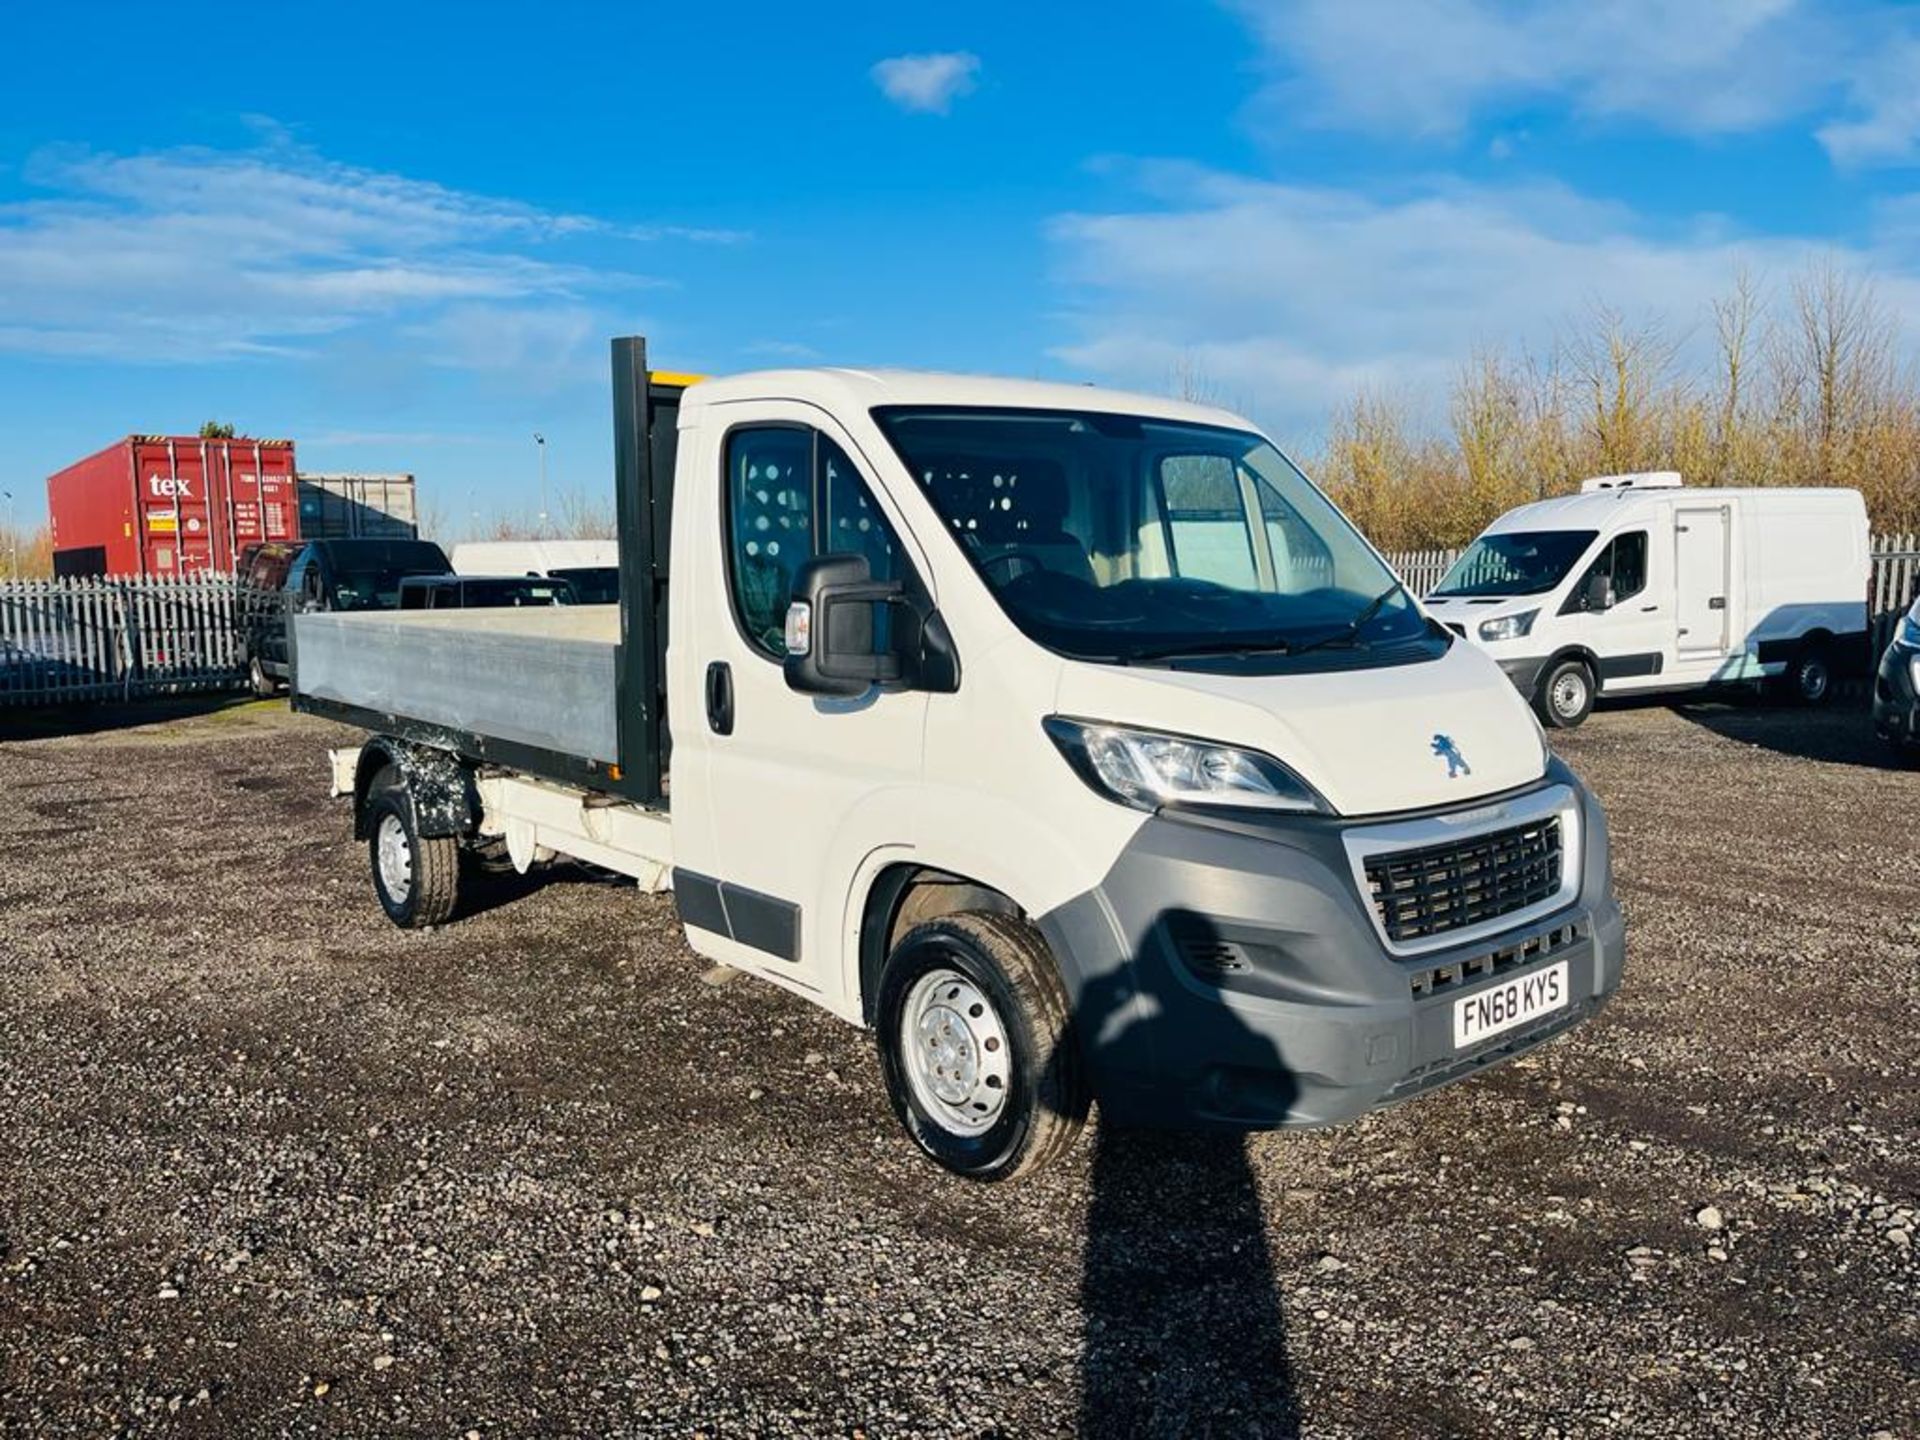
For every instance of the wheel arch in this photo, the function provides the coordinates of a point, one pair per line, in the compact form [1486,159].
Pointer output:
[439,784]
[906,893]
[1570,652]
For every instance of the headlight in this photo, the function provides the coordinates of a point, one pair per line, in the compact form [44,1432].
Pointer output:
[1147,769]
[1508,627]
[1913,673]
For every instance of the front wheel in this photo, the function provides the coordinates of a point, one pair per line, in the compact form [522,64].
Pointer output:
[416,877]
[262,684]
[975,1046]
[1566,694]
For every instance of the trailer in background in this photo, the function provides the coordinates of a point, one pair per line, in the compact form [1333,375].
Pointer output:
[171,505]
[357,507]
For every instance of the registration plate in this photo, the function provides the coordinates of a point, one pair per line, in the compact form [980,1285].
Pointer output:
[1514,1002]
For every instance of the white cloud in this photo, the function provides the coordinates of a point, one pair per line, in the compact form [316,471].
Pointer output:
[1288,298]
[1885,92]
[193,255]
[1426,67]
[927,83]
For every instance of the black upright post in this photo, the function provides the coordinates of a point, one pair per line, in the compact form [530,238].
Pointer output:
[640,695]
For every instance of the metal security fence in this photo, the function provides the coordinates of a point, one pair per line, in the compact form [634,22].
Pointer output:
[1421,570]
[1894,583]
[116,639]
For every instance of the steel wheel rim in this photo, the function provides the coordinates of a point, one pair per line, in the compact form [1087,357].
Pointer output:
[954,1049]
[1813,680]
[1569,693]
[395,857]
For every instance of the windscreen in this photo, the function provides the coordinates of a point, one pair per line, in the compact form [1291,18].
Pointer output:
[371,588]
[1516,562]
[366,574]
[1123,538]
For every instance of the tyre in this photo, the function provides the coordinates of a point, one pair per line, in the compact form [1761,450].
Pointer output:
[976,1049]
[1809,678]
[263,685]
[1566,694]
[417,878]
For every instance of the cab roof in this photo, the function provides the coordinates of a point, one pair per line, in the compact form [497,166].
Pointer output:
[842,390]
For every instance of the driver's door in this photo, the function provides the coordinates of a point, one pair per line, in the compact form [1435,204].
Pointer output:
[1628,632]
[793,787]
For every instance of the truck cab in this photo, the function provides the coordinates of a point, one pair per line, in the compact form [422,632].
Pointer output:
[1070,740]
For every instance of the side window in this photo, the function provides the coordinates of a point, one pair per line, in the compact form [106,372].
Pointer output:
[1207,520]
[851,523]
[1301,559]
[297,576]
[1629,565]
[1623,564]
[793,494]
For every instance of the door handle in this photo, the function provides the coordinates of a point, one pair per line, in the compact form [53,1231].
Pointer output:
[720,698]
[1718,602]
[1648,609]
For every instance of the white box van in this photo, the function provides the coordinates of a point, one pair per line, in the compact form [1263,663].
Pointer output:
[1641,584]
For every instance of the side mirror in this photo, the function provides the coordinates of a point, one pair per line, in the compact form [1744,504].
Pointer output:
[1599,592]
[830,631]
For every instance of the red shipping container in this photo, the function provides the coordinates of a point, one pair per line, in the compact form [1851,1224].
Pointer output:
[171,505]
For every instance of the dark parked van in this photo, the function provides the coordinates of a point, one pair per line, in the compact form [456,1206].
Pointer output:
[322,575]
[476,592]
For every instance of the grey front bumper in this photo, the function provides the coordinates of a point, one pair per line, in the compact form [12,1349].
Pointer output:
[1896,703]
[1231,974]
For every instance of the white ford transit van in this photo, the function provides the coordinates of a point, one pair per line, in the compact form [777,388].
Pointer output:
[1641,584]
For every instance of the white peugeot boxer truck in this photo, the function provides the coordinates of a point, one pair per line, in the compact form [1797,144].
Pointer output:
[1640,584]
[1070,740]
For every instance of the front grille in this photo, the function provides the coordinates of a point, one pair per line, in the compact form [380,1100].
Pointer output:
[1430,980]
[1439,888]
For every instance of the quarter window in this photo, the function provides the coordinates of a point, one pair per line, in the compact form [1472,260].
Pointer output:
[793,494]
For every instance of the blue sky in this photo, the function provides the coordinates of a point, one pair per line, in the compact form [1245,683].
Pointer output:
[401,234]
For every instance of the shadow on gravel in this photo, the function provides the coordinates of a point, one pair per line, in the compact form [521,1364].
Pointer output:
[1841,734]
[492,888]
[1185,1333]
[100,717]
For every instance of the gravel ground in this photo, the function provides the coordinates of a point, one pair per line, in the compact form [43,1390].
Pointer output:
[268,1165]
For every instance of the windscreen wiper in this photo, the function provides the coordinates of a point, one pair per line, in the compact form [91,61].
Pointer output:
[1351,634]
[1215,647]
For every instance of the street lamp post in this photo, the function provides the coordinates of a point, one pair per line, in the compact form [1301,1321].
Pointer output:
[541,441]
[13,540]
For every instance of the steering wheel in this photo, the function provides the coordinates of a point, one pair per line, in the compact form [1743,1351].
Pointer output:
[1032,561]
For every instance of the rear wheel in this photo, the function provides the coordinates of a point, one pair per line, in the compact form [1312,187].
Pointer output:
[416,877]
[976,1049]
[1566,694]
[1809,679]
